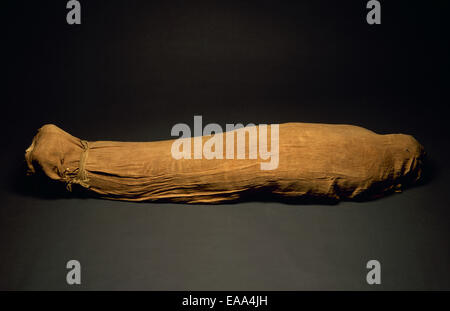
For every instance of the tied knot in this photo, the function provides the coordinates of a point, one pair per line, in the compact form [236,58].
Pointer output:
[81,177]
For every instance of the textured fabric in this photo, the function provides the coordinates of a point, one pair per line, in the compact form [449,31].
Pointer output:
[315,161]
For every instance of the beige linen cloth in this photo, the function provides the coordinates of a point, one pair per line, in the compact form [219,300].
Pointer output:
[336,162]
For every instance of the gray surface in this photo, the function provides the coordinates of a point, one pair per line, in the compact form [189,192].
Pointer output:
[247,246]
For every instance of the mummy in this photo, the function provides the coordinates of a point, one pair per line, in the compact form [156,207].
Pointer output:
[313,161]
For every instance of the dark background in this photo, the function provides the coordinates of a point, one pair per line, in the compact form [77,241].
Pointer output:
[133,69]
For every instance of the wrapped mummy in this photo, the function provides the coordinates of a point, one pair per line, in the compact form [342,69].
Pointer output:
[307,161]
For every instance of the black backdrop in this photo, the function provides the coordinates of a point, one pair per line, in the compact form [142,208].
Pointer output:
[133,69]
